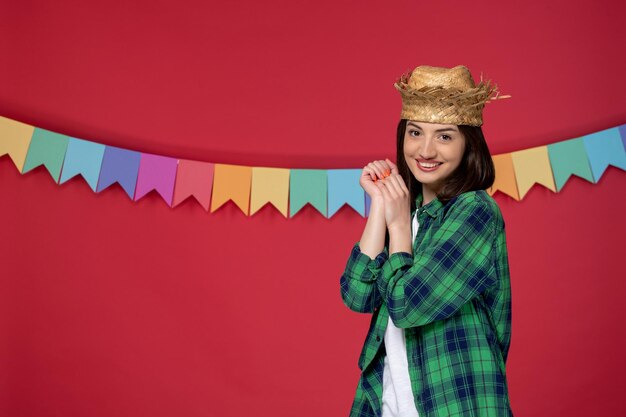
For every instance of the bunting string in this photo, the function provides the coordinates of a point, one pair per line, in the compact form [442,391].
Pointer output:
[288,190]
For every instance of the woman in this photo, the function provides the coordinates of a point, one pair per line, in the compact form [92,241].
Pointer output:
[432,263]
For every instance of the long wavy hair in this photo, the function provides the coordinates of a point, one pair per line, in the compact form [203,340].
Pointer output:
[475,172]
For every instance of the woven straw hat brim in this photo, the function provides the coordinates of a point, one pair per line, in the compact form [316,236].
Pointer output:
[438,104]
[472,97]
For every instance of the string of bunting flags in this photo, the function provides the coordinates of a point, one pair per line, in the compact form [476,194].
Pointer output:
[288,190]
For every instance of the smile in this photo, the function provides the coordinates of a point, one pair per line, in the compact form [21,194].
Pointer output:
[428,167]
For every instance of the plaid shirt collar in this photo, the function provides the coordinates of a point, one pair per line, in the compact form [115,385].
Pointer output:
[433,208]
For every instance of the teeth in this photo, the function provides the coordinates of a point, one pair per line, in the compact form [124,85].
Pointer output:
[429,165]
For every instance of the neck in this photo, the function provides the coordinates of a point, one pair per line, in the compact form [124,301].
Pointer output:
[428,193]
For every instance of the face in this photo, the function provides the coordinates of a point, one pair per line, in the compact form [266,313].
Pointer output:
[439,147]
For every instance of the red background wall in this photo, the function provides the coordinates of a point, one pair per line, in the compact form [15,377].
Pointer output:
[111,307]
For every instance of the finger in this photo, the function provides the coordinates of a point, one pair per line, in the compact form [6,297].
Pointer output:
[394,187]
[399,180]
[383,189]
[403,185]
[371,171]
[385,167]
[394,167]
[392,192]
[381,168]
[367,171]
[376,169]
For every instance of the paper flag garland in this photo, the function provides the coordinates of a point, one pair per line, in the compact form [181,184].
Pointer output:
[288,190]
[505,176]
[269,185]
[567,158]
[14,140]
[156,173]
[605,148]
[121,166]
[48,149]
[194,178]
[231,182]
[341,190]
[308,186]
[532,166]
[84,158]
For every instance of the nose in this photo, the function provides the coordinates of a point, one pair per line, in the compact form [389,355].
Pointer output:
[428,150]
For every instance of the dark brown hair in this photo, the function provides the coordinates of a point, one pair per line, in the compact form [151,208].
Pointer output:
[475,172]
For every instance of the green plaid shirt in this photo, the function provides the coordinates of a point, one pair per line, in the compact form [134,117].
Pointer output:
[453,298]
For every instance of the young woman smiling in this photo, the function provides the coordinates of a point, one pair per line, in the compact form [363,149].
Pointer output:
[432,263]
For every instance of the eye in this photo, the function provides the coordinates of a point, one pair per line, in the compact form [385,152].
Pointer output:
[447,136]
[413,131]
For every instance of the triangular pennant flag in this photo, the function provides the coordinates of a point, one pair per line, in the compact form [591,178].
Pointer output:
[505,176]
[308,186]
[157,173]
[194,178]
[84,158]
[368,203]
[622,132]
[14,140]
[269,185]
[344,188]
[605,148]
[532,166]
[231,182]
[121,166]
[566,158]
[46,148]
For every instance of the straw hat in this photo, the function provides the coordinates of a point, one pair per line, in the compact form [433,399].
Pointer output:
[444,95]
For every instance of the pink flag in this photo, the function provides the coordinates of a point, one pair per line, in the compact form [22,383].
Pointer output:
[194,178]
[156,173]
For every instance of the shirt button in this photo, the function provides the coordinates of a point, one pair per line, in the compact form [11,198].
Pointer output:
[378,338]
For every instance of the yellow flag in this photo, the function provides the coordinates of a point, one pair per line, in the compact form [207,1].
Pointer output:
[270,185]
[231,182]
[14,140]
[532,166]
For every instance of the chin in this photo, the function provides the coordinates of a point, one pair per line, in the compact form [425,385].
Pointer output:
[429,179]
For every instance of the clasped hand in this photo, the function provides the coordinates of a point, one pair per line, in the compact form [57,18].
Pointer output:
[381,180]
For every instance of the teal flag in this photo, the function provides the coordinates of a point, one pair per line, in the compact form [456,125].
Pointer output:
[46,148]
[569,157]
[605,148]
[84,158]
[344,188]
[307,186]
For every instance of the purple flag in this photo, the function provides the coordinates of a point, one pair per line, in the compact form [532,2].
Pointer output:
[119,165]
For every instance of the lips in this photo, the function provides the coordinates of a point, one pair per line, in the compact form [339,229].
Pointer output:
[428,168]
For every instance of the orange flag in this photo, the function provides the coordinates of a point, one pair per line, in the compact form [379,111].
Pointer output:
[231,182]
[505,176]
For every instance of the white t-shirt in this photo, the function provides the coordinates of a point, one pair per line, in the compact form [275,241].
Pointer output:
[397,393]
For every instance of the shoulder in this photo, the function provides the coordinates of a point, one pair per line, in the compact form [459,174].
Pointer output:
[476,202]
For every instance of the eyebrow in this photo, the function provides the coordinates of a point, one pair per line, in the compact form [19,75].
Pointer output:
[447,129]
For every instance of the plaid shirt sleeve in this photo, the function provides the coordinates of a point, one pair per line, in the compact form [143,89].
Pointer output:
[358,281]
[455,266]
